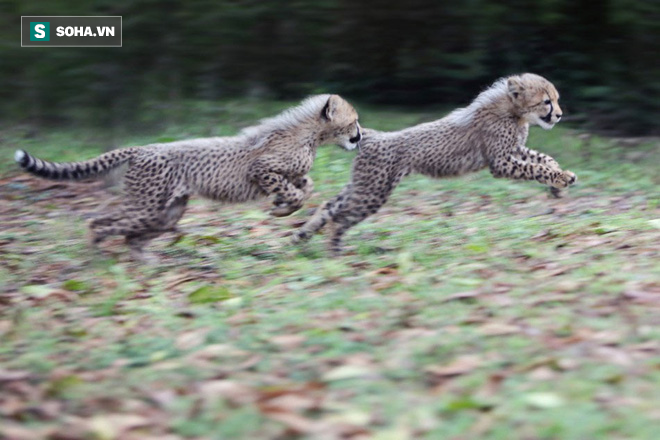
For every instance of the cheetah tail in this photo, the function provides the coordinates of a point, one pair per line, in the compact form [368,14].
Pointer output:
[89,169]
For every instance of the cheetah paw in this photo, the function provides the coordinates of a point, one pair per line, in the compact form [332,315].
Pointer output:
[299,237]
[557,193]
[284,209]
[564,180]
[571,178]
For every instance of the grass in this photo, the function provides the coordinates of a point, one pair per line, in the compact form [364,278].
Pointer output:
[466,308]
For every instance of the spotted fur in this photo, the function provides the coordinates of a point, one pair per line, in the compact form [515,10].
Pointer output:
[272,158]
[490,133]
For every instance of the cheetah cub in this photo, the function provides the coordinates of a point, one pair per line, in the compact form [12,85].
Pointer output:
[489,133]
[271,158]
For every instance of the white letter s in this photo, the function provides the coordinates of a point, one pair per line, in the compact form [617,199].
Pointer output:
[39,31]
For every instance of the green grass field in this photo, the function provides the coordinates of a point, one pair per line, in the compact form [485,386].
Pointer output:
[467,308]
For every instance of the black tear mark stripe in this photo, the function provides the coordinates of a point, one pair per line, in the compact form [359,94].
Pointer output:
[548,118]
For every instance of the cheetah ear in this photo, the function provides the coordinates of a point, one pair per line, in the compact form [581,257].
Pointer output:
[515,87]
[330,108]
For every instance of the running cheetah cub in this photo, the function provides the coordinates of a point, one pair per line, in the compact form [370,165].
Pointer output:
[272,158]
[489,133]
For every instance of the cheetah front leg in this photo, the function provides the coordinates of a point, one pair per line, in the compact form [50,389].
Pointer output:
[513,167]
[285,207]
[288,197]
[535,157]
[528,155]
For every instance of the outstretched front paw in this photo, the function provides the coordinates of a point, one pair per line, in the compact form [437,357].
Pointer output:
[570,177]
[565,179]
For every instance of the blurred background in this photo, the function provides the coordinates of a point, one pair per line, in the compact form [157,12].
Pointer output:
[602,55]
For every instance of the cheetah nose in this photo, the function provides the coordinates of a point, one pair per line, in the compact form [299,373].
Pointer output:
[558,115]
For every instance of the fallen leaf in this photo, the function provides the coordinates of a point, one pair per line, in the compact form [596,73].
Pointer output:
[15,431]
[295,422]
[462,295]
[498,329]
[9,375]
[544,400]
[292,402]
[288,342]
[345,372]
[113,426]
[231,391]
[209,294]
[614,355]
[215,351]
[655,223]
[542,374]
[460,365]
[191,339]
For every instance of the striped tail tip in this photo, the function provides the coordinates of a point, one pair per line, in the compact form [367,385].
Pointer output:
[21,157]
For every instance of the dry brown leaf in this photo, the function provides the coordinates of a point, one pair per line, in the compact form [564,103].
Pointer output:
[542,374]
[387,270]
[483,424]
[345,372]
[191,339]
[58,294]
[15,431]
[215,351]
[608,337]
[163,398]
[260,231]
[551,298]
[614,355]
[568,364]
[292,402]
[648,346]
[12,375]
[113,426]
[296,423]
[288,342]
[642,296]
[462,295]
[231,391]
[498,329]
[460,365]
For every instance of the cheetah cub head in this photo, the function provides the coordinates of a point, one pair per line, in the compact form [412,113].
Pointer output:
[340,123]
[535,99]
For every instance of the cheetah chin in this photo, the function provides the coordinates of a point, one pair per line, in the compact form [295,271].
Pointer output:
[535,119]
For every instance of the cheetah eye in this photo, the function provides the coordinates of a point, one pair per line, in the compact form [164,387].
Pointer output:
[546,102]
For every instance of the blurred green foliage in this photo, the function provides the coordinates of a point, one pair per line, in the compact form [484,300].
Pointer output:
[602,55]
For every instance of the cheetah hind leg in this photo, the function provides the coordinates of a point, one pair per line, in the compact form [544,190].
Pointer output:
[136,243]
[335,236]
[100,228]
[127,223]
[313,225]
